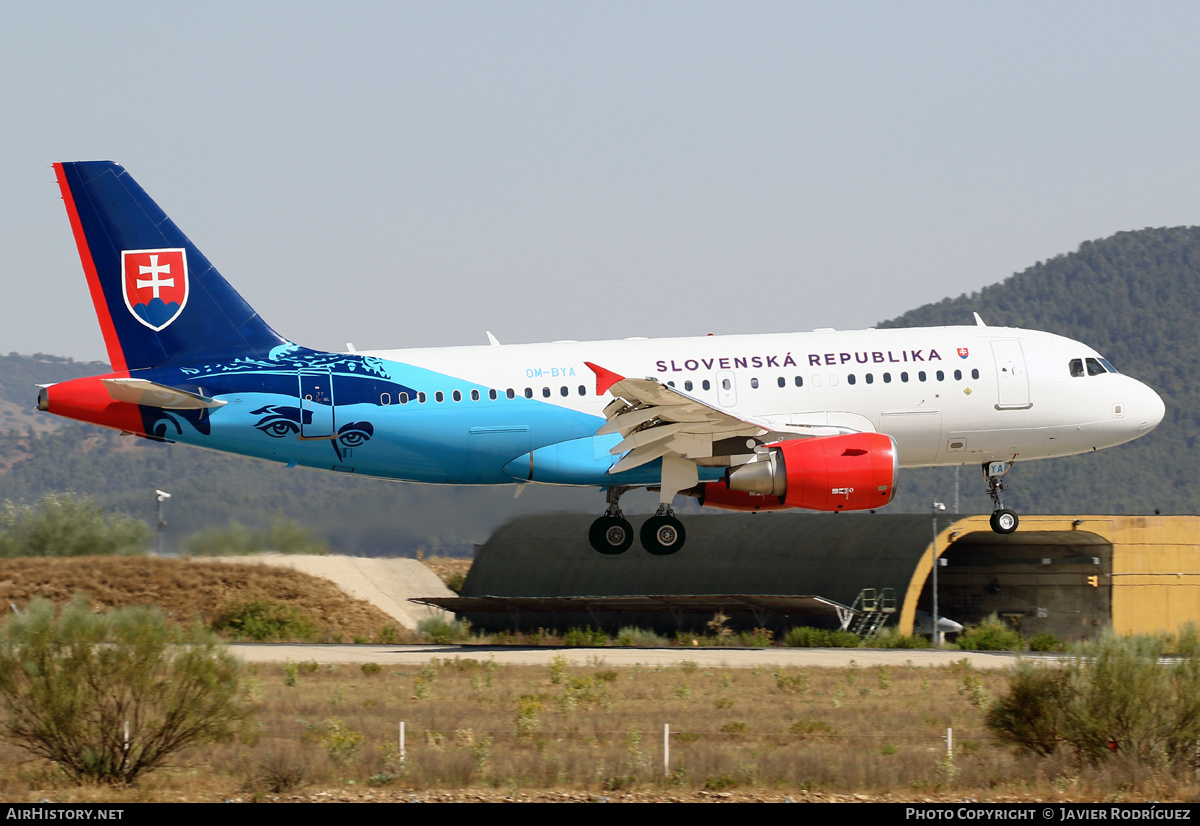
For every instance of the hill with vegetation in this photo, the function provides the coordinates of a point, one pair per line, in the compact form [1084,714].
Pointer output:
[1135,297]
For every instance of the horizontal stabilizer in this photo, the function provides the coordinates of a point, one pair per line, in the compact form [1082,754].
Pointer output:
[153,394]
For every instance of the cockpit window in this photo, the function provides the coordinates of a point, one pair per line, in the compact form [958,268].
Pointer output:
[1094,367]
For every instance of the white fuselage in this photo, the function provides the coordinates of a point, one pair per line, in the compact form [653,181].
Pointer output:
[948,395]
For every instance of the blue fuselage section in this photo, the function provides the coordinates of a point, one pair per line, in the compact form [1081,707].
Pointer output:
[366,415]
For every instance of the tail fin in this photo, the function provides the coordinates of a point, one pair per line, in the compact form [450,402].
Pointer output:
[159,301]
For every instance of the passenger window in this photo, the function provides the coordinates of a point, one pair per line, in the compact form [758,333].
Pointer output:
[870,378]
[670,384]
[439,397]
[974,372]
[582,390]
[706,384]
[799,381]
[782,381]
[904,377]
[545,392]
[510,393]
[492,394]
[921,375]
[529,392]
[421,397]
[403,398]
[958,375]
[887,378]
[725,384]
[687,385]
[564,392]
[850,379]
[754,383]
[474,395]
[941,376]
[1076,368]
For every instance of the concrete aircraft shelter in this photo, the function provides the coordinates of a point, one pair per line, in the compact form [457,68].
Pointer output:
[1068,575]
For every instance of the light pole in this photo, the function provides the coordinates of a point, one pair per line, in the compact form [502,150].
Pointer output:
[161,496]
[937,628]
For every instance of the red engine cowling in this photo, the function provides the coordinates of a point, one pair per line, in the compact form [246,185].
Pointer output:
[834,473]
[717,495]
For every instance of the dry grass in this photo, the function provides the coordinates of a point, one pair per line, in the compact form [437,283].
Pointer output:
[451,570]
[188,590]
[477,731]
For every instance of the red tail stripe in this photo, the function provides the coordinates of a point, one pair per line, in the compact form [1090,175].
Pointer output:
[116,355]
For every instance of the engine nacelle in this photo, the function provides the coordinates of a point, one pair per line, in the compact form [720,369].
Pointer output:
[717,495]
[853,472]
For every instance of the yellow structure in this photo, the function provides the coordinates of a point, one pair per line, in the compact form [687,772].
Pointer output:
[1067,574]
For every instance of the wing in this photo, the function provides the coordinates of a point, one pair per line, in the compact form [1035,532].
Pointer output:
[656,420]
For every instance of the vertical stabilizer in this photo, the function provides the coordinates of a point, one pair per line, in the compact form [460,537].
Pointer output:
[158,299]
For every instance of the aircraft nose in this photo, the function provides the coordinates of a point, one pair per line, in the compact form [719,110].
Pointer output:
[1152,410]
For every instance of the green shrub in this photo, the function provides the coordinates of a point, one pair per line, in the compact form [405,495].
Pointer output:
[63,524]
[585,638]
[265,620]
[71,683]
[756,638]
[804,637]
[1029,714]
[341,742]
[442,631]
[285,536]
[990,635]
[1116,696]
[1045,641]
[631,637]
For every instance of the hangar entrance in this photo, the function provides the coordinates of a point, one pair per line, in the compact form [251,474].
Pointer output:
[1053,581]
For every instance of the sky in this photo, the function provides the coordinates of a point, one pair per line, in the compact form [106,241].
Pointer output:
[403,174]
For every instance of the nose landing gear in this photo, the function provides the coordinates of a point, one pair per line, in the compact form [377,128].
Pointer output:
[1003,521]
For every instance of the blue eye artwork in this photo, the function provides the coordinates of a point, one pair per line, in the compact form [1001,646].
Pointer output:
[280,421]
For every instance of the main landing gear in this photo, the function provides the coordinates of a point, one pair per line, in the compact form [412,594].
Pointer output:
[1003,521]
[661,534]
[612,533]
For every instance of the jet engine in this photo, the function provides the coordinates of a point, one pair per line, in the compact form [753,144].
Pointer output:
[856,471]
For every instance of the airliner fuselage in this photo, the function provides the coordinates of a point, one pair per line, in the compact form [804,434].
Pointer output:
[820,420]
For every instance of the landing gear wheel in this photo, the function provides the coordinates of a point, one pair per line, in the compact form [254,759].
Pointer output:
[1004,521]
[663,535]
[611,535]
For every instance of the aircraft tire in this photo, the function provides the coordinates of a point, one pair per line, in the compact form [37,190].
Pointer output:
[1004,521]
[611,535]
[663,535]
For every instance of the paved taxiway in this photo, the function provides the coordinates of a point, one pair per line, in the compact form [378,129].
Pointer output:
[703,657]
